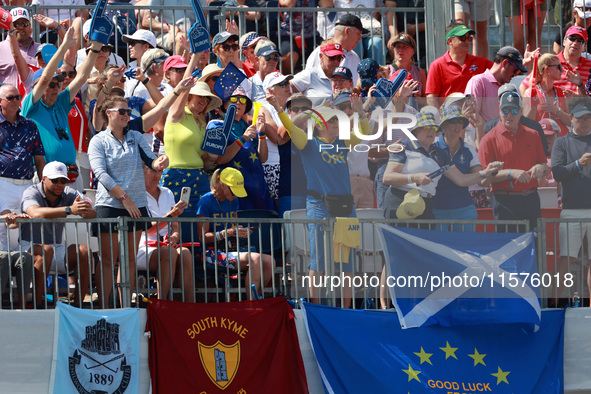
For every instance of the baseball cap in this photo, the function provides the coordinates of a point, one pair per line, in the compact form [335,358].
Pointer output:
[368,72]
[412,206]
[40,48]
[176,61]
[549,126]
[453,112]
[577,31]
[508,87]
[581,109]
[233,178]
[55,170]
[248,40]
[401,40]
[39,72]
[267,50]
[579,5]
[459,31]
[344,96]
[510,100]
[20,13]
[140,35]
[222,37]
[343,72]
[274,78]
[351,20]
[332,49]
[86,27]
[514,57]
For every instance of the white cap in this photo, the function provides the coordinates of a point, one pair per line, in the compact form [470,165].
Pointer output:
[274,78]
[86,27]
[452,98]
[20,13]
[55,170]
[579,4]
[141,35]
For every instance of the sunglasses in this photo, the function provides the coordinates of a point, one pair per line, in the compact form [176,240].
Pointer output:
[295,110]
[513,111]
[335,57]
[558,66]
[236,99]
[61,181]
[283,84]
[121,111]
[344,106]
[272,57]
[577,39]
[23,25]
[69,74]
[178,70]
[12,98]
[106,48]
[465,37]
[228,48]
[133,43]
[53,85]
[214,78]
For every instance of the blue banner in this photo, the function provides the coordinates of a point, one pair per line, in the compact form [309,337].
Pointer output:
[101,27]
[451,279]
[367,352]
[228,81]
[97,351]
[199,32]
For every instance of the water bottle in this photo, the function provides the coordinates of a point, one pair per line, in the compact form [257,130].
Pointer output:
[576,300]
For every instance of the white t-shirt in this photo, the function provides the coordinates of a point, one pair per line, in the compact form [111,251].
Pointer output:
[158,209]
[313,84]
[351,61]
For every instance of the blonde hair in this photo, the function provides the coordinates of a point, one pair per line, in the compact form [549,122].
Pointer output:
[215,181]
[545,60]
[149,56]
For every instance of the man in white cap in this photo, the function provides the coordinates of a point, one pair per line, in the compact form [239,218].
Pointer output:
[21,21]
[52,199]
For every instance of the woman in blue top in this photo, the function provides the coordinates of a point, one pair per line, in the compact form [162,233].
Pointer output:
[221,202]
[116,157]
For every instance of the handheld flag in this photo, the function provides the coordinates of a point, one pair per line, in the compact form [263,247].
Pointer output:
[228,81]
[199,32]
[216,133]
[101,27]
[385,89]
[478,278]
[5,19]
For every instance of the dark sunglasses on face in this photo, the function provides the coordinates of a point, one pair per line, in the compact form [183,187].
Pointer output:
[577,39]
[133,43]
[558,66]
[513,111]
[295,110]
[53,85]
[283,84]
[272,57]
[178,70]
[344,106]
[61,181]
[106,48]
[121,111]
[335,57]
[465,37]
[228,48]
[69,74]
[12,98]
[236,99]
[214,78]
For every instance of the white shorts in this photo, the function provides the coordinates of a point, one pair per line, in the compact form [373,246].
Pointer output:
[143,257]
[479,10]
[571,235]
[12,194]
[59,258]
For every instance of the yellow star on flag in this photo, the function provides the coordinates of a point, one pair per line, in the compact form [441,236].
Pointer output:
[184,181]
[237,165]
[424,356]
[449,351]
[412,374]
[176,183]
[253,157]
[188,174]
[501,376]
[478,358]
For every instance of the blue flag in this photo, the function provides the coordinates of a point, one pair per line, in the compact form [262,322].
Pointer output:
[450,279]
[97,351]
[101,27]
[362,351]
[228,81]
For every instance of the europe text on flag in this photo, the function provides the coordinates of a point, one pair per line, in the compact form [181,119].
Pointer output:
[238,347]
[475,278]
[97,352]
[363,351]
[228,81]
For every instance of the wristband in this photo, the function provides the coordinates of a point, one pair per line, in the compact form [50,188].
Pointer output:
[240,142]
[579,166]
[175,93]
[58,28]
[509,175]
[11,32]
[145,81]
[106,91]
[262,135]
[409,179]
[124,197]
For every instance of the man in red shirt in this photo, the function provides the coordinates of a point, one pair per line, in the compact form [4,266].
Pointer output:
[515,195]
[452,71]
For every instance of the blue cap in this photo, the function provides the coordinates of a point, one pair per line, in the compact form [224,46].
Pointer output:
[368,72]
[267,50]
[39,72]
[343,72]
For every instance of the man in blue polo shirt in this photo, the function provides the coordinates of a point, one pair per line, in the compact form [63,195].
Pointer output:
[21,150]
[49,108]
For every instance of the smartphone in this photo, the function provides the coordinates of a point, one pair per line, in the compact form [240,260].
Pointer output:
[438,172]
[186,194]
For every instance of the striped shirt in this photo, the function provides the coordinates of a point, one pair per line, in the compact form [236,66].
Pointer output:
[582,68]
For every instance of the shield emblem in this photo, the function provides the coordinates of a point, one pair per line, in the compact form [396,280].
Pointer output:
[221,362]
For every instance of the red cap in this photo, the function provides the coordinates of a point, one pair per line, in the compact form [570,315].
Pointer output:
[332,49]
[577,31]
[176,61]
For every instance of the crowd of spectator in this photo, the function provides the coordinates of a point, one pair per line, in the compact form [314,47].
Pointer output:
[74,119]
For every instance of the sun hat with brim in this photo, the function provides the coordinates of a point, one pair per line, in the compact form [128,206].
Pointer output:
[201,89]
[412,206]
[39,72]
[459,31]
[425,119]
[232,178]
[209,71]
[581,109]
[453,112]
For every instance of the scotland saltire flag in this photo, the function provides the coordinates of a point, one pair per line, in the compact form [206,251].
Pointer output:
[451,278]
[228,81]
[97,351]
[364,351]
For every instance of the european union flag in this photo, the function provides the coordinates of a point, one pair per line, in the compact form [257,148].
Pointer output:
[438,277]
[363,351]
[228,81]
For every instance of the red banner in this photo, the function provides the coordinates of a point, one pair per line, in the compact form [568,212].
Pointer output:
[238,347]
